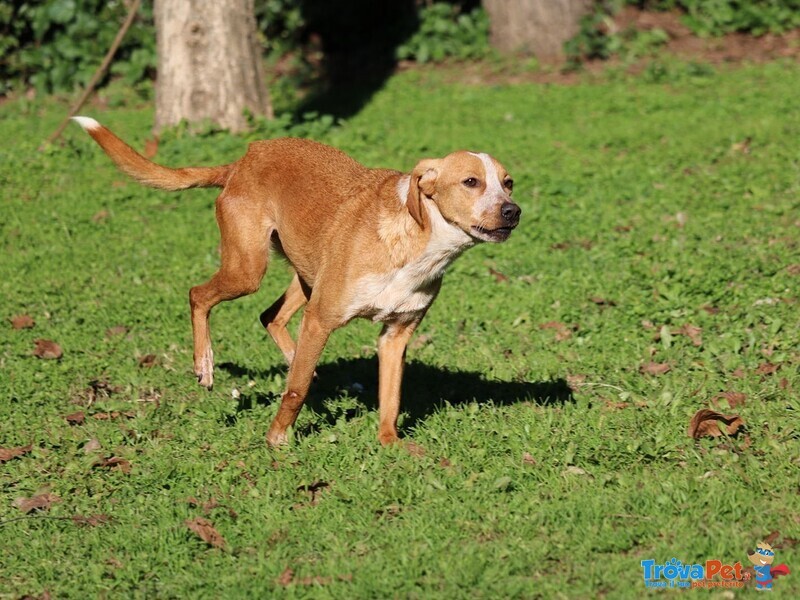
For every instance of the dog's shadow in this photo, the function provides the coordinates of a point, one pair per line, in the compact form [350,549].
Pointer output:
[426,389]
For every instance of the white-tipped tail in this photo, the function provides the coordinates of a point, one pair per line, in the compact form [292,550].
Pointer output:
[87,123]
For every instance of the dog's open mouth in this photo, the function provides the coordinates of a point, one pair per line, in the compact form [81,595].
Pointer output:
[491,235]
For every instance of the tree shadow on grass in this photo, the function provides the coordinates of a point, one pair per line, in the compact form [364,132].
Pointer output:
[426,389]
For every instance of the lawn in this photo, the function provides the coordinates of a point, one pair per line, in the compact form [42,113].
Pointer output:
[549,391]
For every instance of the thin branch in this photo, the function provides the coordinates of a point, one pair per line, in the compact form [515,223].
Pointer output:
[98,74]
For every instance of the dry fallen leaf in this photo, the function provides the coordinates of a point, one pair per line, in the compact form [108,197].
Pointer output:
[414,449]
[7,454]
[692,332]
[22,322]
[734,399]
[116,330]
[705,423]
[563,331]
[527,459]
[498,276]
[114,414]
[205,531]
[602,301]
[793,269]
[766,368]
[37,502]
[114,462]
[653,368]
[93,445]
[47,349]
[286,577]
[147,361]
[91,520]
[76,418]
[314,491]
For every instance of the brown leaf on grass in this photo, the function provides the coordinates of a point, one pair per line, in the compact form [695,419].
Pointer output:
[147,361]
[414,449]
[562,330]
[90,520]
[76,418]
[498,276]
[738,373]
[47,349]
[205,530]
[286,578]
[692,332]
[22,322]
[623,228]
[101,216]
[742,147]
[7,454]
[37,502]
[527,459]
[793,269]
[99,389]
[653,368]
[705,423]
[734,399]
[314,491]
[445,463]
[116,330]
[114,414]
[602,301]
[711,310]
[93,445]
[113,462]
[766,368]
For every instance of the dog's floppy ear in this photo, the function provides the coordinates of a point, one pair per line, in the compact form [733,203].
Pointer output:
[423,182]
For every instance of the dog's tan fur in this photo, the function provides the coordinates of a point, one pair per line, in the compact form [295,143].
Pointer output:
[370,243]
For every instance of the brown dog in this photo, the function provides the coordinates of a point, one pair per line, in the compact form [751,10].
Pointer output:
[370,243]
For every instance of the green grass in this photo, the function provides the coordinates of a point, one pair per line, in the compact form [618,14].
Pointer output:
[632,192]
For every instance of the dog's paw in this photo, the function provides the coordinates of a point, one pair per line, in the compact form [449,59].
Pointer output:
[276,439]
[204,370]
[388,438]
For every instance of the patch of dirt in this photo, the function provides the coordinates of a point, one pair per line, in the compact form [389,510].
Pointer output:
[732,49]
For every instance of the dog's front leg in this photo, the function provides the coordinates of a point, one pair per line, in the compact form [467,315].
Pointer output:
[310,342]
[391,358]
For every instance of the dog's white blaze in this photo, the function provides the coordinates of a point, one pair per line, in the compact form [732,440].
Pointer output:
[494,192]
[403,186]
[87,123]
[412,287]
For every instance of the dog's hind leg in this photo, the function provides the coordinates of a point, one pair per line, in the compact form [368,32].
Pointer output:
[244,243]
[277,316]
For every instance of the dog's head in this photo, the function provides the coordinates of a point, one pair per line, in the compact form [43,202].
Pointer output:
[471,191]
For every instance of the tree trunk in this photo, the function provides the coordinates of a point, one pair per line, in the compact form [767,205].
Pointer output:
[209,63]
[538,27]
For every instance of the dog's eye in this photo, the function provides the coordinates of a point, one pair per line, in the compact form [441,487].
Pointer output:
[509,183]
[470,182]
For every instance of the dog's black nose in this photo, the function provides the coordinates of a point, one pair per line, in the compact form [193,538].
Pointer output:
[511,212]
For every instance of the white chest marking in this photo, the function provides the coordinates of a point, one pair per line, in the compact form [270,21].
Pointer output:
[412,287]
